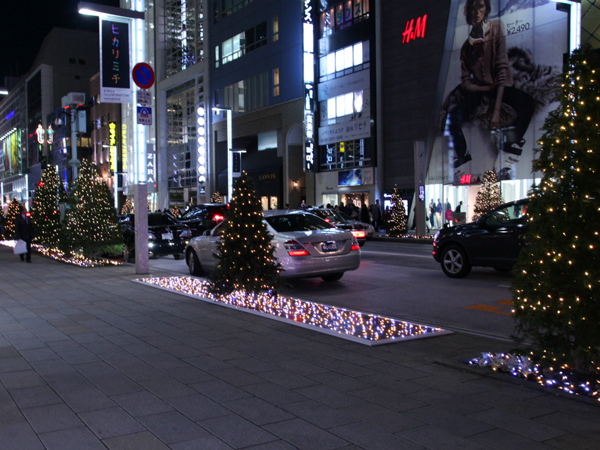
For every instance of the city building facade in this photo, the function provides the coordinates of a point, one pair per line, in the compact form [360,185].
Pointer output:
[29,137]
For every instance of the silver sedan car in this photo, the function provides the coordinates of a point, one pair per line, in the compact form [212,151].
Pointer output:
[305,245]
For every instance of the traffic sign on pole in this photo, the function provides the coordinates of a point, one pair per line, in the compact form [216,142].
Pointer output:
[143,75]
[144,115]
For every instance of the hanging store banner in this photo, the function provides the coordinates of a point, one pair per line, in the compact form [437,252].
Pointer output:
[347,131]
[504,77]
[115,75]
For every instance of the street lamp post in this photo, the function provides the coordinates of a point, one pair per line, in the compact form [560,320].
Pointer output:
[229,150]
[140,192]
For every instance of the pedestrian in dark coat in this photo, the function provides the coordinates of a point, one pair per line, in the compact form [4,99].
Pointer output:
[365,215]
[24,231]
[376,213]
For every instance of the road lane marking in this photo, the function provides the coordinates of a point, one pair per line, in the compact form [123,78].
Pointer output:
[492,308]
[375,252]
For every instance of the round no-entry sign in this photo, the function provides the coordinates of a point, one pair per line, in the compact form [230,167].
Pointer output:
[143,75]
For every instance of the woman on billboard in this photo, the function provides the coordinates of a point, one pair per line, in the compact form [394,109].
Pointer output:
[486,78]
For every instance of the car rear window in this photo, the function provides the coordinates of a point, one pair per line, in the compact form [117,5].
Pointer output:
[297,222]
[160,220]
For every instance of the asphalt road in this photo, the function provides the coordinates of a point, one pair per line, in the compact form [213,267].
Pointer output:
[401,280]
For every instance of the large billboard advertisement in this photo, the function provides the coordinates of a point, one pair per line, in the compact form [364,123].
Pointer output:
[503,79]
[10,153]
[115,74]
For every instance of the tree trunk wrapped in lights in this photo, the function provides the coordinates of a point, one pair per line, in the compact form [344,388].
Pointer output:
[557,284]
[245,254]
[45,208]
[488,196]
[397,215]
[91,222]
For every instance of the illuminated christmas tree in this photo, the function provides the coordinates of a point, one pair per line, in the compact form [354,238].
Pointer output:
[557,283]
[245,253]
[397,215]
[11,219]
[216,198]
[488,196]
[45,208]
[127,207]
[91,222]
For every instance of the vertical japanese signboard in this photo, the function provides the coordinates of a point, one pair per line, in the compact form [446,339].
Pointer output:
[309,87]
[115,79]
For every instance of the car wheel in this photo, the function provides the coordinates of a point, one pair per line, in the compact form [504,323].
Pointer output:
[177,256]
[455,263]
[127,253]
[193,264]
[332,276]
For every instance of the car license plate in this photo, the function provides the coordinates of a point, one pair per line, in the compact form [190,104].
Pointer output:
[167,236]
[330,246]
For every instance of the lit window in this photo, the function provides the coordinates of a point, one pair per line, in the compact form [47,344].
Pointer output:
[349,103]
[339,103]
[358,101]
[331,113]
[348,57]
[217,57]
[276,82]
[330,63]
[358,54]
[275,28]
[339,60]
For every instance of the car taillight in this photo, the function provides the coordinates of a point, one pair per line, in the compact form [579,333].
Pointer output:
[358,234]
[218,217]
[151,237]
[355,245]
[294,248]
[186,233]
[327,220]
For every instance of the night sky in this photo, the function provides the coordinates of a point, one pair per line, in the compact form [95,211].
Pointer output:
[25,23]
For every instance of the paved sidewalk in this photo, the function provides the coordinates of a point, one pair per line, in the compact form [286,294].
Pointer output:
[90,360]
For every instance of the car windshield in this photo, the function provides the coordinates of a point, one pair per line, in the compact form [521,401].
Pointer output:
[160,220]
[194,214]
[297,222]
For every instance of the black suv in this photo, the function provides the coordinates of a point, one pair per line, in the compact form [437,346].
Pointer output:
[166,236]
[204,217]
[493,240]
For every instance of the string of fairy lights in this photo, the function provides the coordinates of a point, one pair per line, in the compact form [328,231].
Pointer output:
[370,329]
[72,258]
[524,367]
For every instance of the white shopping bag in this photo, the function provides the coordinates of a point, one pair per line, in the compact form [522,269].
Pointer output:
[20,247]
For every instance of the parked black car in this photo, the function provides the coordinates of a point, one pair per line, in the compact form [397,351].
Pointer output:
[166,236]
[494,240]
[204,217]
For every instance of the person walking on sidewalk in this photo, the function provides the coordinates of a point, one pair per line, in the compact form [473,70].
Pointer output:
[24,231]
[376,213]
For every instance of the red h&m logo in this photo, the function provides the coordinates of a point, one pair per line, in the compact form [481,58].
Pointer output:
[413,31]
[465,179]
